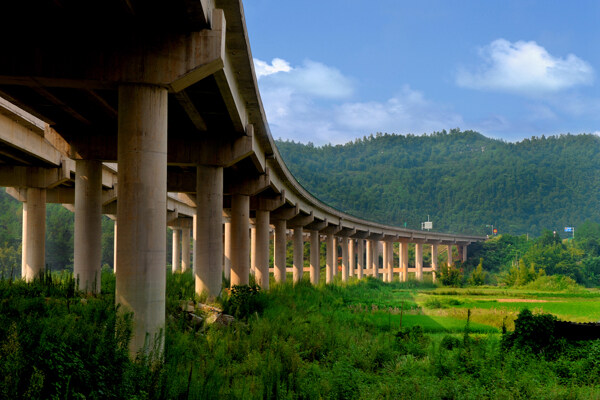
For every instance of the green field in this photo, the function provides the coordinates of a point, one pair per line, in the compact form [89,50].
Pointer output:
[359,340]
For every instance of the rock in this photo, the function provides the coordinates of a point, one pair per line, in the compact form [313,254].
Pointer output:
[188,306]
[220,319]
[195,319]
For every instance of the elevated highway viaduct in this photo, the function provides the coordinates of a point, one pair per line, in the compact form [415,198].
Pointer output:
[167,91]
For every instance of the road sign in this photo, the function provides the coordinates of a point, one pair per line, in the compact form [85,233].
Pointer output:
[568,229]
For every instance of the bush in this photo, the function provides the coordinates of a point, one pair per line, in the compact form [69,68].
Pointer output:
[412,341]
[449,342]
[243,301]
[534,334]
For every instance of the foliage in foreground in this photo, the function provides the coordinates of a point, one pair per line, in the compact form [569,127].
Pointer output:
[308,343]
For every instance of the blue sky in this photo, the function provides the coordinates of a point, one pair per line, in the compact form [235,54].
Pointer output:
[330,71]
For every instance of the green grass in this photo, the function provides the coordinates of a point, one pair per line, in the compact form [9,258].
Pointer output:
[359,340]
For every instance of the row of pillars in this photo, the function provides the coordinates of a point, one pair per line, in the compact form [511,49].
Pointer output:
[140,234]
[359,256]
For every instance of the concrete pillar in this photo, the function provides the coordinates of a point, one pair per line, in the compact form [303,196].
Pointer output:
[176,259]
[419,261]
[434,262]
[240,239]
[360,258]
[262,249]
[335,256]
[449,251]
[369,257]
[142,211]
[464,253]
[87,238]
[352,256]
[298,244]
[388,260]
[375,255]
[34,234]
[185,249]
[403,250]
[252,249]
[279,250]
[115,248]
[208,262]
[194,243]
[330,258]
[344,244]
[227,251]
[315,260]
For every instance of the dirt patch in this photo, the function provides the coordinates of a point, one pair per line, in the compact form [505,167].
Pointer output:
[521,301]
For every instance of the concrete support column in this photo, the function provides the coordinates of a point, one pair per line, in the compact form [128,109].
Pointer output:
[369,257]
[314,257]
[279,250]
[404,260]
[330,258]
[434,262]
[419,261]
[388,255]
[194,243]
[298,244]
[227,250]
[385,262]
[175,262]
[360,259]
[142,211]
[352,256]
[240,239]
[185,249]
[335,256]
[115,248]
[375,255]
[344,244]
[262,249]
[449,251]
[87,238]
[252,249]
[34,234]
[464,253]
[208,262]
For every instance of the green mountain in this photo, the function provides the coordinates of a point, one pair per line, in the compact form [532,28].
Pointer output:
[462,180]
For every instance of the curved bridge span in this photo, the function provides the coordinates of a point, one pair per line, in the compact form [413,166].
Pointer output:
[167,91]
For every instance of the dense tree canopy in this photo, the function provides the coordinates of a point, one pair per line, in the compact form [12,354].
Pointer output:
[462,180]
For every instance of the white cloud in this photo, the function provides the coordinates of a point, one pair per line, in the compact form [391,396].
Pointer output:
[313,102]
[263,68]
[525,68]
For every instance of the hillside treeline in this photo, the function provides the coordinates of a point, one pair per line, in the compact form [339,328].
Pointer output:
[461,179]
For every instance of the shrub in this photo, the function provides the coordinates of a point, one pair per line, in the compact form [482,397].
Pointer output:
[243,301]
[449,342]
[534,333]
[412,341]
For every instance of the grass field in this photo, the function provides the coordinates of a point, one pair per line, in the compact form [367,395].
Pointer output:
[358,340]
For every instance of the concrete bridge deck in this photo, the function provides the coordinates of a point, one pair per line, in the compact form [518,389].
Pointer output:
[167,91]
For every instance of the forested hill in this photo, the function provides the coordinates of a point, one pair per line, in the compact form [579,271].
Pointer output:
[462,180]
